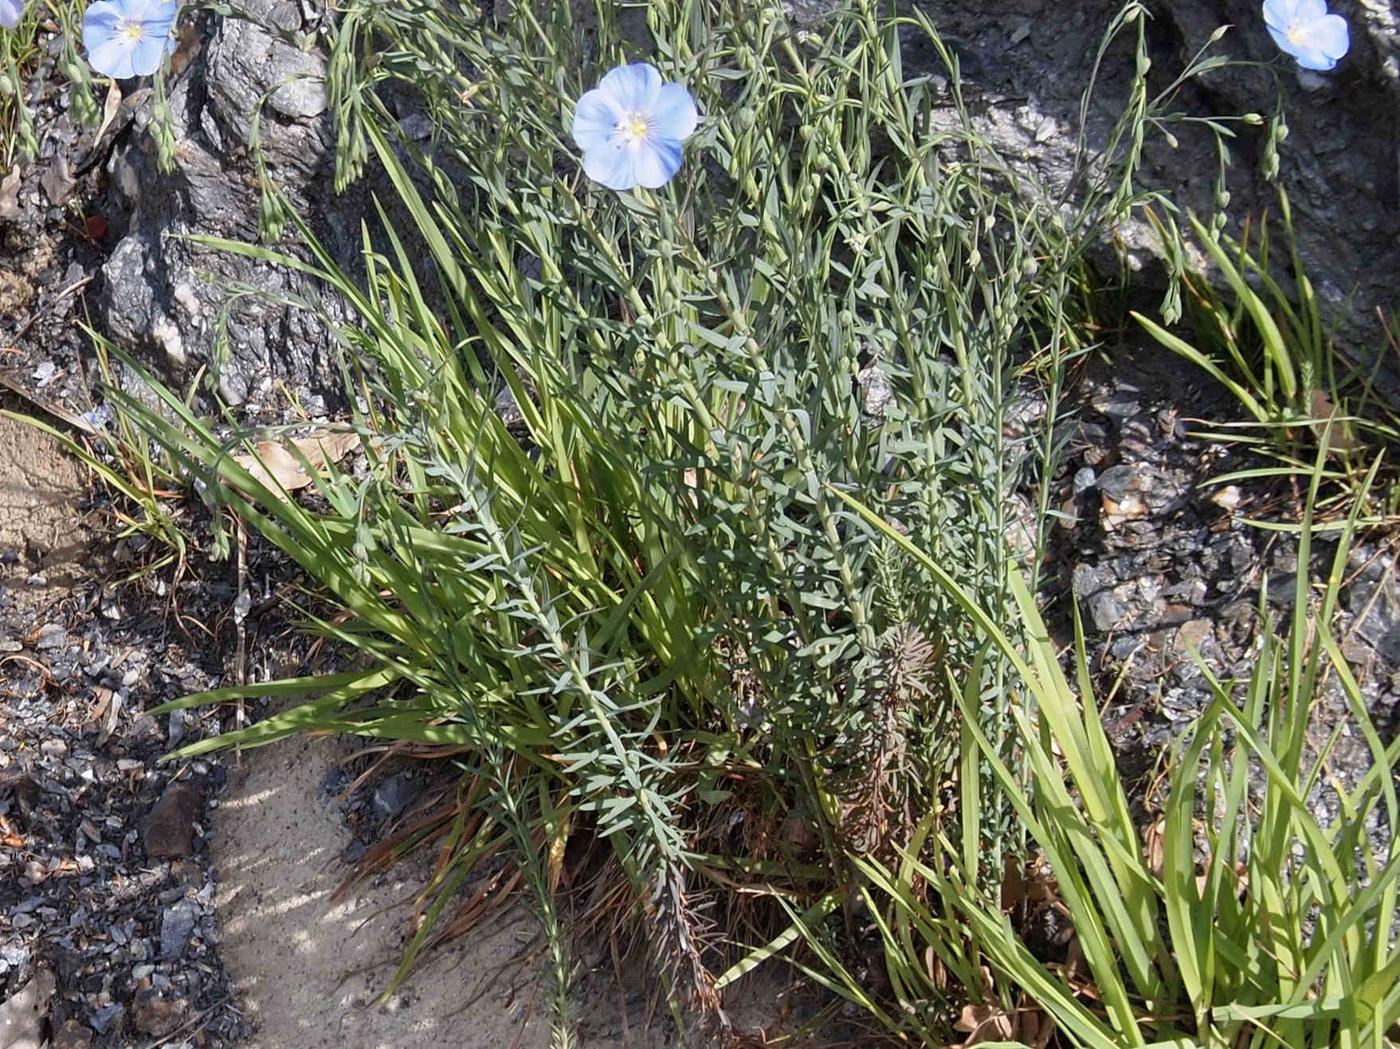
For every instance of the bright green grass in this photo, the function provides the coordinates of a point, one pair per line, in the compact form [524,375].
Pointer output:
[1252,924]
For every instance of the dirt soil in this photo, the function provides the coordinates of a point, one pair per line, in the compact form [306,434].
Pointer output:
[106,911]
[309,968]
[40,517]
[311,965]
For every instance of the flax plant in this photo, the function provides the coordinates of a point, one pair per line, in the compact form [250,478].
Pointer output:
[592,548]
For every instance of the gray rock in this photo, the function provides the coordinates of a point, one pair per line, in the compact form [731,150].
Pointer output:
[1118,481]
[51,635]
[175,727]
[247,61]
[1105,610]
[1084,581]
[176,927]
[176,303]
[394,794]
[1374,601]
[72,1035]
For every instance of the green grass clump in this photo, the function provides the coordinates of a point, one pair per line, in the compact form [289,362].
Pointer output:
[1271,349]
[1239,918]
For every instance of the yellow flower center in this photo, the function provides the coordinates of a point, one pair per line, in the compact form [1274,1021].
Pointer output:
[133,31]
[1295,34]
[635,128]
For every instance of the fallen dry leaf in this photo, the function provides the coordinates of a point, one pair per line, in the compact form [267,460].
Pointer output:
[1154,847]
[57,181]
[1341,439]
[110,108]
[937,971]
[985,1023]
[285,464]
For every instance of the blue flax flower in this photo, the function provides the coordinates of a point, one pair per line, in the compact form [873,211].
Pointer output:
[10,12]
[1304,29]
[631,126]
[127,38]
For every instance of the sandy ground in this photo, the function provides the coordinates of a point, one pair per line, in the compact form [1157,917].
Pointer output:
[40,488]
[310,971]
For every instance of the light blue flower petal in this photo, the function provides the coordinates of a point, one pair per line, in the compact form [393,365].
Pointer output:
[111,57]
[1281,38]
[1317,61]
[673,116]
[611,166]
[633,88]
[1279,13]
[1309,10]
[150,10]
[10,13]
[149,53]
[157,16]
[656,162]
[100,24]
[1329,35]
[595,120]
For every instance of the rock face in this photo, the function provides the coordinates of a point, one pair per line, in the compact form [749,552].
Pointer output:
[181,305]
[1025,63]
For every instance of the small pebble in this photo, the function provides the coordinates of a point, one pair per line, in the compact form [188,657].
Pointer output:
[51,636]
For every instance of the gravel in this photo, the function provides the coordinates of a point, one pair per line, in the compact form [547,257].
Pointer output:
[105,877]
[1161,561]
